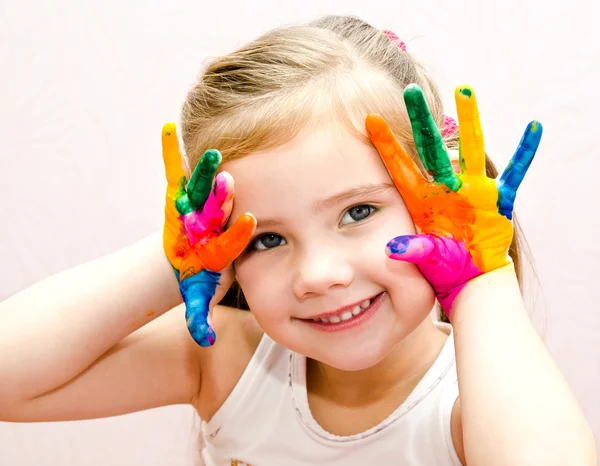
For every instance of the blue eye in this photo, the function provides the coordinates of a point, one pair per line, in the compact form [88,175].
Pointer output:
[357,213]
[267,241]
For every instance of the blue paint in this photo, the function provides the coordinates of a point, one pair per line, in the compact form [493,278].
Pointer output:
[399,244]
[197,291]
[516,169]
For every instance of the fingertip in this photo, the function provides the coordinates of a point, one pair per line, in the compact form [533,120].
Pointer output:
[203,334]
[398,245]
[248,223]
[412,88]
[464,91]
[416,103]
[535,127]
[209,339]
[251,218]
[376,126]
[412,94]
[388,251]
[225,174]
[532,136]
[211,157]
[373,119]
[169,129]
[226,180]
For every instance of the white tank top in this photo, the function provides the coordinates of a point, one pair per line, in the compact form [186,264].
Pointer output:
[266,421]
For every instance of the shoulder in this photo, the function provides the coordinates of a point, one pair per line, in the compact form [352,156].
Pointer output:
[222,365]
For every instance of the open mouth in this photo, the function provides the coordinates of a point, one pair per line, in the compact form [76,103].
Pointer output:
[348,317]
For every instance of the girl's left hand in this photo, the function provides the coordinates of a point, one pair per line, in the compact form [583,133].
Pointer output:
[464,220]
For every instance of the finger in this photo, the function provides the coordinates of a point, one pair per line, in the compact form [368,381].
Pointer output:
[222,250]
[176,181]
[172,158]
[410,248]
[440,255]
[198,224]
[225,281]
[402,168]
[197,292]
[446,262]
[516,169]
[428,140]
[202,178]
[218,206]
[472,152]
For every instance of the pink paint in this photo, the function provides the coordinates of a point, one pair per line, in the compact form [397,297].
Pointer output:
[201,225]
[449,127]
[443,261]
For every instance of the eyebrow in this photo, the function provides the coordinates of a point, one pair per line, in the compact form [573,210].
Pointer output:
[270,223]
[357,193]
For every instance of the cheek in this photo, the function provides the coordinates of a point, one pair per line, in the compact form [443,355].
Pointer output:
[262,289]
[411,294]
[394,221]
[400,219]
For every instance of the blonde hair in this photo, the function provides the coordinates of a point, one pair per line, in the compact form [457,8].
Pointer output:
[264,94]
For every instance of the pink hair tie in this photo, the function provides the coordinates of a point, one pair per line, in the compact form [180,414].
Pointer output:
[449,126]
[395,39]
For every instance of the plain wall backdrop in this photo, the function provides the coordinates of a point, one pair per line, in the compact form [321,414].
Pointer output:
[86,86]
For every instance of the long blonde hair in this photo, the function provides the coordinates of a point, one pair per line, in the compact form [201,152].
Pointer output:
[264,94]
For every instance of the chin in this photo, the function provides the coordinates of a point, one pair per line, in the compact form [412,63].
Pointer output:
[358,355]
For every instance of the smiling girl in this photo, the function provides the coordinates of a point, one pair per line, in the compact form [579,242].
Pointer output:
[348,226]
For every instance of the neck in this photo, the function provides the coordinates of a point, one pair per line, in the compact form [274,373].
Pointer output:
[398,373]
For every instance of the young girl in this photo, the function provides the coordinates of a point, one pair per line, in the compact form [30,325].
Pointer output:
[339,361]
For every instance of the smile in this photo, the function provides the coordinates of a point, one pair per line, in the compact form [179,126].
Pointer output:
[347,317]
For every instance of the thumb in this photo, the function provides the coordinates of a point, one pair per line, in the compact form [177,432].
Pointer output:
[225,282]
[197,292]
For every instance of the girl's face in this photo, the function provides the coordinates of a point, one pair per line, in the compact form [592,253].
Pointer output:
[326,208]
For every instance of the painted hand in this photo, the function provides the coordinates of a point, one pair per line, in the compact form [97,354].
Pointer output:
[464,220]
[194,239]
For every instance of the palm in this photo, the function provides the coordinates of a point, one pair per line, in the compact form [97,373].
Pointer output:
[470,216]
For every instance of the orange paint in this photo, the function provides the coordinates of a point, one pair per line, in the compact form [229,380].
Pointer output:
[469,215]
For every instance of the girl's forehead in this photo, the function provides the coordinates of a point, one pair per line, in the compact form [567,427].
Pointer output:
[314,147]
[317,164]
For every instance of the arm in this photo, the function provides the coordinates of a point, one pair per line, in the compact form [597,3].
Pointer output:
[65,335]
[516,407]
[73,353]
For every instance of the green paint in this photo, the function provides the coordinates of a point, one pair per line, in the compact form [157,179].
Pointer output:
[461,159]
[466,91]
[201,181]
[183,205]
[198,189]
[428,140]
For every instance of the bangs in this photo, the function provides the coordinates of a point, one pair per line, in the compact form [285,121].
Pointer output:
[275,118]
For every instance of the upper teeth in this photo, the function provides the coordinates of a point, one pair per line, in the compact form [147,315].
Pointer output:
[345,315]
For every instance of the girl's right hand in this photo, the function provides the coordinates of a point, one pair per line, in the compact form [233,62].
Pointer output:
[194,239]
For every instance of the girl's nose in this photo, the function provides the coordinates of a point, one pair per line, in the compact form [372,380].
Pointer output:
[320,271]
